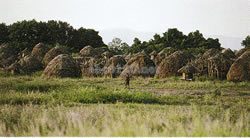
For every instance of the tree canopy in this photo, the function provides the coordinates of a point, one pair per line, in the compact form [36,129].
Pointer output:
[246,42]
[53,32]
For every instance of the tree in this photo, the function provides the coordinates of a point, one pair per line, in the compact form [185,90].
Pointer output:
[4,33]
[173,38]
[246,42]
[118,47]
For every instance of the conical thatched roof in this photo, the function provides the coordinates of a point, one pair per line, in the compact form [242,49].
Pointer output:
[189,68]
[92,67]
[7,55]
[139,65]
[52,53]
[202,62]
[163,54]
[240,69]
[114,66]
[30,64]
[219,65]
[88,51]
[241,51]
[229,53]
[39,51]
[171,64]
[62,66]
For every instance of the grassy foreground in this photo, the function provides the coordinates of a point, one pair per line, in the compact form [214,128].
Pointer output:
[34,106]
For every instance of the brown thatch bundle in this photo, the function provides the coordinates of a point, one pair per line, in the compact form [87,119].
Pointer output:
[241,51]
[202,62]
[153,55]
[171,64]
[189,68]
[163,54]
[62,66]
[127,57]
[39,51]
[30,64]
[92,67]
[24,53]
[114,66]
[139,65]
[218,66]
[240,69]
[107,54]
[88,51]
[228,53]
[52,53]
[7,55]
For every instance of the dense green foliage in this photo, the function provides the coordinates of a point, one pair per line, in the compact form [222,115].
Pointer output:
[175,39]
[26,34]
[246,41]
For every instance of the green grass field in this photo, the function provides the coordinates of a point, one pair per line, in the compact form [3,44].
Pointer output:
[34,106]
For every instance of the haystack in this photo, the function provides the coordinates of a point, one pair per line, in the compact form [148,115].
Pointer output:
[241,51]
[228,53]
[240,69]
[107,54]
[114,66]
[7,55]
[92,67]
[188,71]
[39,51]
[139,65]
[171,64]
[202,62]
[30,64]
[163,54]
[52,53]
[62,66]
[218,66]
[88,51]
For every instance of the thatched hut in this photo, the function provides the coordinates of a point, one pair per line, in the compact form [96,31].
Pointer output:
[171,64]
[62,66]
[107,54]
[114,66]
[240,69]
[188,71]
[39,51]
[92,67]
[201,62]
[52,53]
[163,54]
[8,55]
[30,64]
[218,66]
[88,51]
[139,65]
[228,53]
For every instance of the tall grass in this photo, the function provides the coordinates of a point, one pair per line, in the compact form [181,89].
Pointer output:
[122,120]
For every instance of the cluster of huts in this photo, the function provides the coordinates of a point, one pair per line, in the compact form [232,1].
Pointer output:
[93,62]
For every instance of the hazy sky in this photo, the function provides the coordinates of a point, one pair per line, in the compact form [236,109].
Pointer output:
[229,18]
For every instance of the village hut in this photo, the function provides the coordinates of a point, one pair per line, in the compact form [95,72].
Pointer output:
[30,64]
[8,55]
[139,65]
[188,71]
[218,66]
[171,64]
[163,54]
[228,53]
[88,51]
[62,66]
[240,69]
[114,66]
[52,53]
[92,67]
[241,51]
[201,62]
[39,51]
